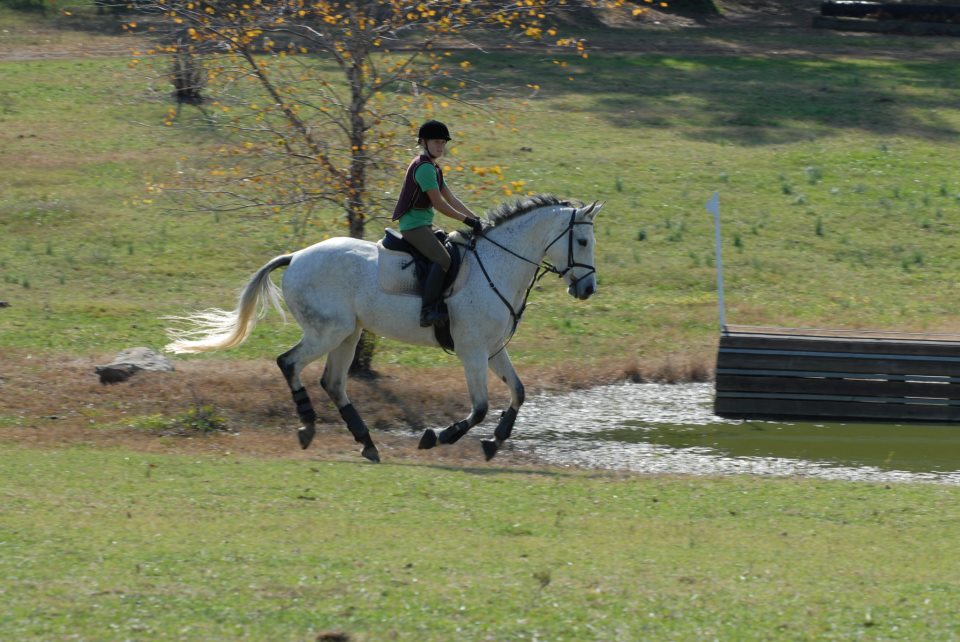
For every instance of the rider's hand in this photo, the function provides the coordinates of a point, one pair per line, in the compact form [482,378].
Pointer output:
[475,224]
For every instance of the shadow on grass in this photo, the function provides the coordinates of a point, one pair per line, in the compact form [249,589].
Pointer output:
[494,470]
[743,99]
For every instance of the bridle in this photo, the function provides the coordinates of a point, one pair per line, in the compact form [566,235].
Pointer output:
[544,267]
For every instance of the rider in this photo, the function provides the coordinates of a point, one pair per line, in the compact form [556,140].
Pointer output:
[423,191]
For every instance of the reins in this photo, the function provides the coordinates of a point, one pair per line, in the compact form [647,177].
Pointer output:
[543,268]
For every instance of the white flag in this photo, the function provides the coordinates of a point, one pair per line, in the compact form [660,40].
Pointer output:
[713,205]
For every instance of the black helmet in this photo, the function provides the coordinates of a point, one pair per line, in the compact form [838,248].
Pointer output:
[433,129]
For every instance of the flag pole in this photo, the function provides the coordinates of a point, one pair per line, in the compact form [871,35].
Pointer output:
[713,206]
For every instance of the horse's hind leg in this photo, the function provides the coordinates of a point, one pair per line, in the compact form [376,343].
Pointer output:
[334,382]
[502,367]
[292,363]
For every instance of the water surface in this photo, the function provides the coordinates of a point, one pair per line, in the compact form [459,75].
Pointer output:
[661,428]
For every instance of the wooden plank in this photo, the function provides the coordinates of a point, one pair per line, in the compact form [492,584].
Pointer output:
[843,334]
[798,396]
[822,344]
[836,374]
[776,408]
[831,364]
[857,388]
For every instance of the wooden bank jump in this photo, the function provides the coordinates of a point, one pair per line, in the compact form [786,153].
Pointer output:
[780,373]
[765,372]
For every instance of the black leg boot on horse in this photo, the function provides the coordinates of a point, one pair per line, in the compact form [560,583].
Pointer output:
[432,313]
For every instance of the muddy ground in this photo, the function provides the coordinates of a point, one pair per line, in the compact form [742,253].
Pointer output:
[46,401]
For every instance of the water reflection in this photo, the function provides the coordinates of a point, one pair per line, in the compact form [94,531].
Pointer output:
[671,429]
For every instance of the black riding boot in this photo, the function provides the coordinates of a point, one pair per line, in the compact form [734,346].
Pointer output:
[430,312]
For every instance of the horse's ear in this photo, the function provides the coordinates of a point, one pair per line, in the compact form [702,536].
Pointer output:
[592,210]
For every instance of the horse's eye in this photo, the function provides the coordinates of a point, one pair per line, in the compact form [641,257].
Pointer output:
[582,242]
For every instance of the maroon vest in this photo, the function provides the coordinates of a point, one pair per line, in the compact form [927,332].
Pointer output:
[411,196]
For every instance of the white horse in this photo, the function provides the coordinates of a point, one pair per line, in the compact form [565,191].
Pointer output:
[333,291]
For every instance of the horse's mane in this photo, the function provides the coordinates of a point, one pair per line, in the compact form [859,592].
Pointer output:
[518,207]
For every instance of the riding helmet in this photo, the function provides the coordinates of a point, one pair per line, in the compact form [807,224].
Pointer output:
[433,129]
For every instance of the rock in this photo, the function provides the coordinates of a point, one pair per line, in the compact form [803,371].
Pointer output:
[4,304]
[129,362]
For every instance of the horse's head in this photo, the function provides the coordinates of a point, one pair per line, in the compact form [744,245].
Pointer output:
[572,252]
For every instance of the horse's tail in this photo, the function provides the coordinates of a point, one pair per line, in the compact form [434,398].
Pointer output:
[216,329]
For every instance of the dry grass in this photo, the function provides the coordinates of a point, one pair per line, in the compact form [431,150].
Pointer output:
[46,401]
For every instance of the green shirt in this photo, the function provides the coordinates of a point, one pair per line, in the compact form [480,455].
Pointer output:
[426,178]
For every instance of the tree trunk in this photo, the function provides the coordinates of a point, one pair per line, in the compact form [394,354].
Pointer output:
[362,364]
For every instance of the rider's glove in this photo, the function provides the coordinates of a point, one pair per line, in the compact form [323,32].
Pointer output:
[475,224]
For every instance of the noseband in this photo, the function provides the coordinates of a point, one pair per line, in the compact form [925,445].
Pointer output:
[570,262]
[543,268]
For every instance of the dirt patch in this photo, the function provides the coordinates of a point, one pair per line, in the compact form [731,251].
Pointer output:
[48,402]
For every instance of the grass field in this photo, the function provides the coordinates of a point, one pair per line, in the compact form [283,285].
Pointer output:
[108,545]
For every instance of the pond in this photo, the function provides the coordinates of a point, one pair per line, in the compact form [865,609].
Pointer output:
[659,428]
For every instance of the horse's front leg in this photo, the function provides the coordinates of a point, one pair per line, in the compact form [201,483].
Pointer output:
[475,368]
[502,367]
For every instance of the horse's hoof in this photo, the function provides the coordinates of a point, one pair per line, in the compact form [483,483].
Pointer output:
[429,440]
[490,448]
[305,435]
[371,453]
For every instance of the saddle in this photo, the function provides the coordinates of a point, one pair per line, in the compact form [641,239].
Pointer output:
[397,257]
[392,240]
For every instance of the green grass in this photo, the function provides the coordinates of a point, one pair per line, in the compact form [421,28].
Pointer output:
[113,545]
[837,177]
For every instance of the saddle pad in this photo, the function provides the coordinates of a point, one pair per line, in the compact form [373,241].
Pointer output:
[396,274]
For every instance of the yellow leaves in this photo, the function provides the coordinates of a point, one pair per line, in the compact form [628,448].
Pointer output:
[170,117]
[496,170]
[465,65]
